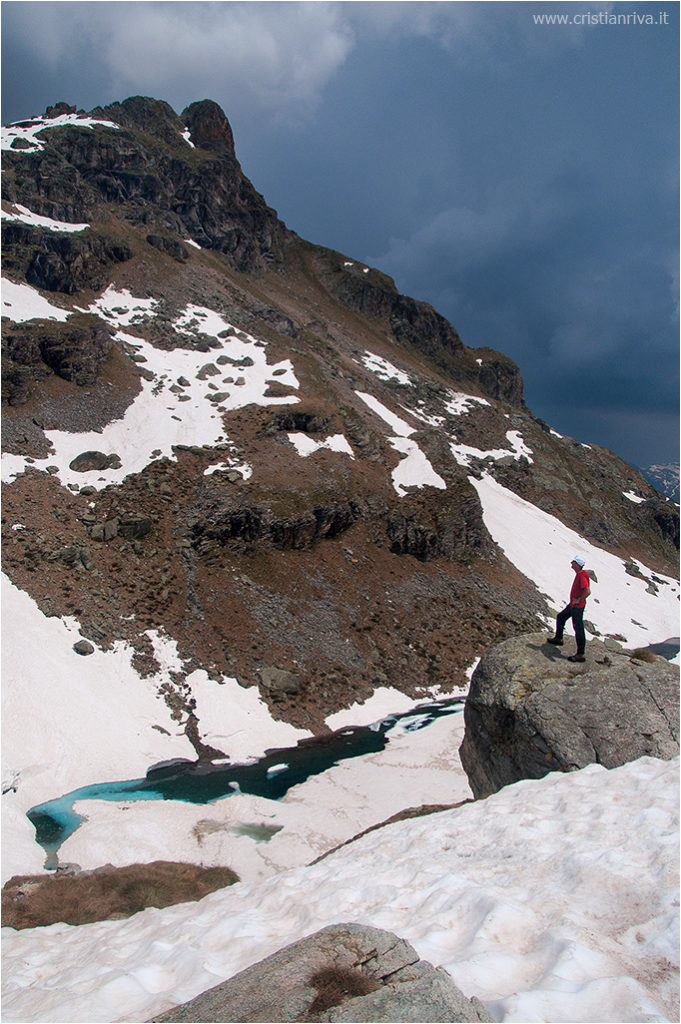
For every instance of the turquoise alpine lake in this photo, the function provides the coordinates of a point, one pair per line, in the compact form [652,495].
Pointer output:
[204,782]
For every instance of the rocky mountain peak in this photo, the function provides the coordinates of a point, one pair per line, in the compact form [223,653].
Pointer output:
[143,113]
[209,127]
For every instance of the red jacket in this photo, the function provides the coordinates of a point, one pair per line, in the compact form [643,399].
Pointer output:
[580,589]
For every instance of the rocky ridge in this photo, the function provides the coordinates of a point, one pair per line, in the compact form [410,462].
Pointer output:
[320,567]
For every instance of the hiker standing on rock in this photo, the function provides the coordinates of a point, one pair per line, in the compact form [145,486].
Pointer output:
[581,589]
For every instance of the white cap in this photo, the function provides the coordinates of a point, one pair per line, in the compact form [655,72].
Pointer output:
[579,560]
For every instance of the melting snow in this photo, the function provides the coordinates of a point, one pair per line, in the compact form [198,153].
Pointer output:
[306,445]
[383,369]
[398,425]
[165,413]
[20,303]
[542,548]
[415,470]
[458,403]
[187,136]
[551,900]
[28,131]
[636,498]
[25,216]
[463,453]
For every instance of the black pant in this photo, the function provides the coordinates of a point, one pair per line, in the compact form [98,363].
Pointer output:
[577,616]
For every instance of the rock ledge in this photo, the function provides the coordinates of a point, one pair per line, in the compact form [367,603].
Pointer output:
[346,972]
[530,711]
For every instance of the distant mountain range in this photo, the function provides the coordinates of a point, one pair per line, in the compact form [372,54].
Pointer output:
[665,478]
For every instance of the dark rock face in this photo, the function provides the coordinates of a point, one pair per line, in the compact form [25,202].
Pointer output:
[209,128]
[451,532]
[346,972]
[61,262]
[664,518]
[530,712]
[73,350]
[176,250]
[246,525]
[416,325]
[199,193]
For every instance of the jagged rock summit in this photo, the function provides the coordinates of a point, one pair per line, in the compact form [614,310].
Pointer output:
[253,445]
[530,711]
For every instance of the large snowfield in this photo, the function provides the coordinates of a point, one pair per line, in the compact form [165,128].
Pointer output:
[554,900]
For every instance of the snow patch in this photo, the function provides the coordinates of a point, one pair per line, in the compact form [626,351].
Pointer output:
[457,403]
[20,303]
[384,369]
[415,470]
[28,131]
[542,548]
[306,445]
[25,216]
[463,453]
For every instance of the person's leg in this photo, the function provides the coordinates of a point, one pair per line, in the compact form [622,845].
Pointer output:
[578,623]
[561,619]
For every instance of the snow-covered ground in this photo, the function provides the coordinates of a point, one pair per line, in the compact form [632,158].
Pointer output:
[541,547]
[29,131]
[554,900]
[25,216]
[550,901]
[39,661]
[182,399]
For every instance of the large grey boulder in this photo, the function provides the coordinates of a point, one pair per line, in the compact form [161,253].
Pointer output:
[530,711]
[346,972]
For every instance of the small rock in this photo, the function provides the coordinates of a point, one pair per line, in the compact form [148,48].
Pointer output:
[83,647]
[207,370]
[279,680]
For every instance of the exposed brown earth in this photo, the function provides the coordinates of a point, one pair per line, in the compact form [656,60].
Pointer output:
[313,566]
[107,893]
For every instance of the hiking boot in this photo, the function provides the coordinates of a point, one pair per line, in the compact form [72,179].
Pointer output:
[556,641]
[576,657]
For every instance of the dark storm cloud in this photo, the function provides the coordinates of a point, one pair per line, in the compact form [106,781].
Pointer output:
[522,178]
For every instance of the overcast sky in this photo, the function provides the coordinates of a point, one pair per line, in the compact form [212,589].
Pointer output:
[521,177]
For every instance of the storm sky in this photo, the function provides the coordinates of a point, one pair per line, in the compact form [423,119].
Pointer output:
[521,177]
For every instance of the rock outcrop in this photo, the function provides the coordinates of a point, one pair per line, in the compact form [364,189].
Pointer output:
[346,972]
[530,711]
[32,351]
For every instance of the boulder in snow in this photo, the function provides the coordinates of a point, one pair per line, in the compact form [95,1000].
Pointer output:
[530,711]
[346,972]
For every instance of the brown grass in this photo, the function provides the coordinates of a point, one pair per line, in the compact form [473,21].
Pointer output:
[336,984]
[107,893]
[642,654]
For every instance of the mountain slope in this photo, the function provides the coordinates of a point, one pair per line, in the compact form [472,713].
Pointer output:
[252,493]
[329,527]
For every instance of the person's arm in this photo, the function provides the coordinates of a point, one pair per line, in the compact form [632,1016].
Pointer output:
[584,593]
